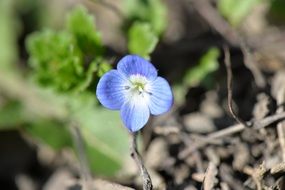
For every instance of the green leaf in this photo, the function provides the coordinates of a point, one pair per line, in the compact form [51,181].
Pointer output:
[67,60]
[87,79]
[141,39]
[157,16]
[52,133]
[149,11]
[277,11]
[82,26]
[99,66]
[235,11]
[11,114]
[179,91]
[103,68]
[106,138]
[207,64]
[47,114]
[56,60]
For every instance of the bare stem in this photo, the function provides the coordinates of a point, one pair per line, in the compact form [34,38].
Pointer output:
[147,184]
[84,166]
[230,85]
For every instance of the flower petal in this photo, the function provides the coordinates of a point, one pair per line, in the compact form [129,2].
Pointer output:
[111,90]
[133,65]
[135,115]
[161,98]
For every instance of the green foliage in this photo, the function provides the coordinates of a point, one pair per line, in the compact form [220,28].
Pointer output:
[207,64]
[198,75]
[142,40]
[46,116]
[103,68]
[11,114]
[235,11]
[277,11]
[146,21]
[179,92]
[150,11]
[64,64]
[56,59]
[52,133]
[66,60]
[81,25]
[106,139]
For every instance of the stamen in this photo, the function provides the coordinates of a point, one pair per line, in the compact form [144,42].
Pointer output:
[148,92]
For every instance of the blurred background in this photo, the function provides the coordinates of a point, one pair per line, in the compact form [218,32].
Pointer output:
[52,54]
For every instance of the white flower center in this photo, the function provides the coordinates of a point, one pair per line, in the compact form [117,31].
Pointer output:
[138,89]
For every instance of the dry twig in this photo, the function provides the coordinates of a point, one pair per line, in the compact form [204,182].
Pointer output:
[257,174]
[210,176]
[230,131]
[281,137]
[280,98]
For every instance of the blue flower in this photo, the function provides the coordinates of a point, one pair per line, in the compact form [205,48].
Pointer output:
[136,90]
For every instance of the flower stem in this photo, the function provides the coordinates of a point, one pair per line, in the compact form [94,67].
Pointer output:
[147,184]
[84,166]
